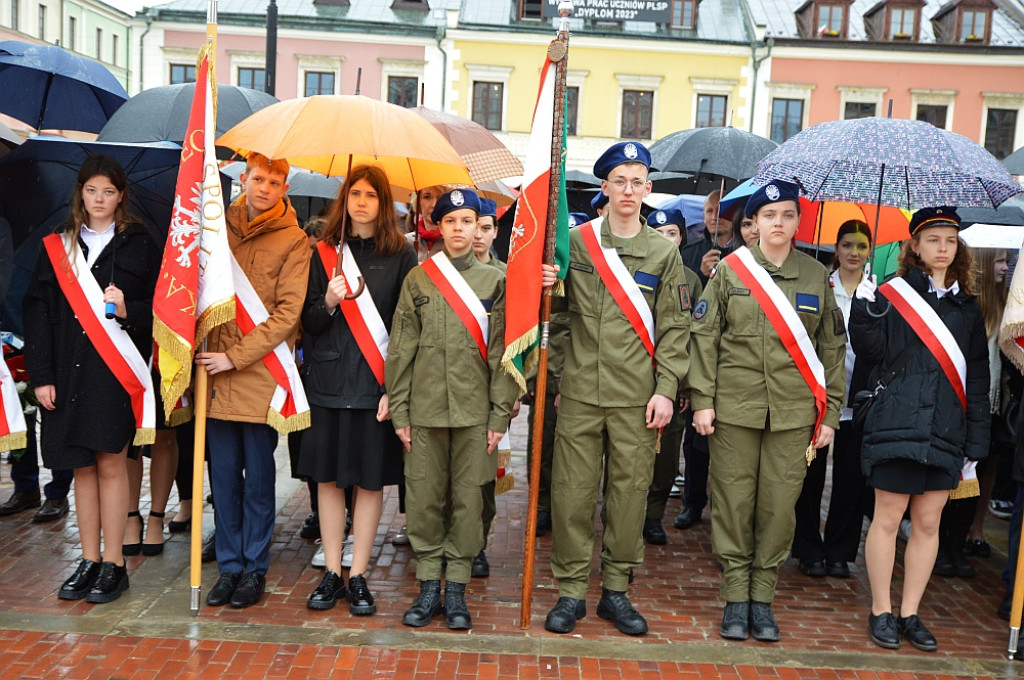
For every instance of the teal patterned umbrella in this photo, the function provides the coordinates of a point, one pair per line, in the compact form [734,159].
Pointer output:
[902,163]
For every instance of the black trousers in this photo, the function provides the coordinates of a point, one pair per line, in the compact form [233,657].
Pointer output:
[697,460]
[846,509]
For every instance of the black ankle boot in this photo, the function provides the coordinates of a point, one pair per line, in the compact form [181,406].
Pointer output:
[81,582]
[456,612]
[427,605]
[111,582]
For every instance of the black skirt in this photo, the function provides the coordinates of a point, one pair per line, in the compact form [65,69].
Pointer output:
[910,477]
[350,448]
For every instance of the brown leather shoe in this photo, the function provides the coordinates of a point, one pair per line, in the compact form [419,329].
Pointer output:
[20,501]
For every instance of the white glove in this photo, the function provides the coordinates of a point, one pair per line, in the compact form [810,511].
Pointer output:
[867,286]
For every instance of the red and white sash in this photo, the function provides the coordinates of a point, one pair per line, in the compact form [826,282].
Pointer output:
[361,314]
[928,326]
[786,322]
[460,297]
[13,429]
[621,285]
[112,343]
[289,410]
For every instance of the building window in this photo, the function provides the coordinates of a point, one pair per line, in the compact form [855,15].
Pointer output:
[684,14]
[711,110]
[854,110]
[1000,130]
[42,22]
[830,20]
[787,118]
[530,9]
[973,24]
[182,73]
[253,78]
[72,30]
[113,49]
[14,13]
[572,101]
[99,44]
[933,113]
[487,101]
[901,23]
[319,82]
[637,114]
[402,90]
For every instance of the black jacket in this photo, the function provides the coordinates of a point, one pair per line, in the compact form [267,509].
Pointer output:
[335,374]
[93,410]
[919,417]
[695,251]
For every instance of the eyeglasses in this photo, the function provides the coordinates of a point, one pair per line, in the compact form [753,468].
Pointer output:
[620,184]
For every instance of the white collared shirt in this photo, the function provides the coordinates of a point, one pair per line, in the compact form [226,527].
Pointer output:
[942,292]
[96,241]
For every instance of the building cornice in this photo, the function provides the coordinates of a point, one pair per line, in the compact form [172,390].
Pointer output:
[315,24]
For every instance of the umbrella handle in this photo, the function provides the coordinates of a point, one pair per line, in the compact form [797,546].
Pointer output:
[359,290]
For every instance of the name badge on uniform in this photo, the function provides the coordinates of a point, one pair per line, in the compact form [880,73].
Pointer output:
[805,302]
[646,282]
[488,305]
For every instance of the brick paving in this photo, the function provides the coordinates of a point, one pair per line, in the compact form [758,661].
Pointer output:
[149,632]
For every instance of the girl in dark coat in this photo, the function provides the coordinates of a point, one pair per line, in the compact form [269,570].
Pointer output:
[920,430]
[350,442]
[87,418]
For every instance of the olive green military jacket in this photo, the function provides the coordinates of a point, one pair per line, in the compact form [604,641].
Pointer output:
[740,367]
[434,374]
[605,363]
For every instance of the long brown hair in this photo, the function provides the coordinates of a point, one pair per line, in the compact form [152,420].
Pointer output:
[961,269]
[991,293]
[389,238]
[849,227]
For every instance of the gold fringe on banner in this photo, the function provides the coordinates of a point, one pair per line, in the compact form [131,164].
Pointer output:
[209,48]
[179,416]
[517,347]
[13,441]
[967,488]
[180,351]
[299,421]
[504,459]
[144,435]
[215,315]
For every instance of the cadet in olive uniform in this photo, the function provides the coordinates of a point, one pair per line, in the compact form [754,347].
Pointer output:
[672,225]
[449,406]
[614,398]
[749,396]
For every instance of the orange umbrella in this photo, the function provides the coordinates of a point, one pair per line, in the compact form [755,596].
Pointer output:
[820,222]
[331,133]
[485,156]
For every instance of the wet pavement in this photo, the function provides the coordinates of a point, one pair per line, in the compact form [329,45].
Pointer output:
[150,633]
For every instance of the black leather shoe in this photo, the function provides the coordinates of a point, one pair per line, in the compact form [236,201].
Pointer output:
[687,518]
[916,634]
[360,599]
[133,549]
[543,522]
[616,607]
[654,533]
[19,502]
[884,631]
[962,565]
[427,605]
[327,594]
[53,509]
[81,582]
[943,564]
[221,593]
[481,567]
[111,582]
[838,568]
[209,553]
[762,622]
[563,616]
[456,613]
[249,590]
[310,526]
[814,568]
[735,621]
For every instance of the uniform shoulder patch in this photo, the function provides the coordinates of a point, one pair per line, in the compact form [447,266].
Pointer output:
[700,310]
[838,322]
[684,297]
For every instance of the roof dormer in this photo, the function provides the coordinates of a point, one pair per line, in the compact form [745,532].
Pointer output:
[824,19]
[894,20]
[964,21]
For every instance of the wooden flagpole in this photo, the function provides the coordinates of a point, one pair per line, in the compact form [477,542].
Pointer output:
[558,53]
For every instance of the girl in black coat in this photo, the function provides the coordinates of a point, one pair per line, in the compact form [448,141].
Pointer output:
[87,418]
[918,433]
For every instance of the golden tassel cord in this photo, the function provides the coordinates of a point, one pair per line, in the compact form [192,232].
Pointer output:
[967,488]
[810,454]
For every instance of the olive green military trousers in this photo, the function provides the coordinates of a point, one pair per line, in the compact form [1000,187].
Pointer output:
[756,478]
[583,434]
[447,466]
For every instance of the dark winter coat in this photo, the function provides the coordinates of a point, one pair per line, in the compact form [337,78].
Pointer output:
[93,411]
[919,417]
[335,373]
[694,251]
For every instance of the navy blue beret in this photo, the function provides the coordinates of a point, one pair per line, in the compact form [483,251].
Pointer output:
[488,208]
[617,154]
[599,201]
[660,218]
[577,218]
[457,199]
[774,192]
[941,216]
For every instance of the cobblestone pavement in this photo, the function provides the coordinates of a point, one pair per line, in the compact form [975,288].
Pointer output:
[150,633]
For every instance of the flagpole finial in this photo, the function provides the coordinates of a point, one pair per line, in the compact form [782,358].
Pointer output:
[564,11]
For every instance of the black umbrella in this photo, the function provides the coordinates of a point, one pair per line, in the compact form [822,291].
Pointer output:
[722,151]
[1015,162]
[9,139]
[1010,212]
[160,114]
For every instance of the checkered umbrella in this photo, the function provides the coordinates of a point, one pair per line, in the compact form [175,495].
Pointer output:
[902,163]
[484,154]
